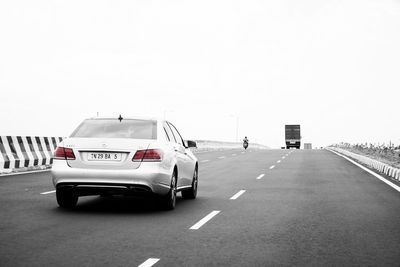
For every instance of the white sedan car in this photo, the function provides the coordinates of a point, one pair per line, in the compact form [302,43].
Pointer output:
[125,156]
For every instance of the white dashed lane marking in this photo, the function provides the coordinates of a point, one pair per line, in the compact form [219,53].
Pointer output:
[238,194]
[260,176]
[206,160]
[278,161]
[204,220]
[222,157]
[233,154]
[150,262]
[48,192]
[273,166]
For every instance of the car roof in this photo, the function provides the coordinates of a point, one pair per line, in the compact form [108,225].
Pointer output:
[127,118]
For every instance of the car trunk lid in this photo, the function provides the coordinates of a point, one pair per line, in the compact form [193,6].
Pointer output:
[105,153]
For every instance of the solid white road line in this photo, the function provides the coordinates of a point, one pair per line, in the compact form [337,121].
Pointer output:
[149,262]
[206,160]
[273,166]
[204,220]
[238,194]
[260,176]
[49,192]
[279,161]
[368,170]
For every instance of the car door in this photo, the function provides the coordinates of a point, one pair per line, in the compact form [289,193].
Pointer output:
[177,154]
[186,163]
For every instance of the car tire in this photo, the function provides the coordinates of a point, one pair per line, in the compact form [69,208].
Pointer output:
[192,192]
[66,199]
[169,200]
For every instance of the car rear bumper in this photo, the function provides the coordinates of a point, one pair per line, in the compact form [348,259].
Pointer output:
[150,178]
[85,189]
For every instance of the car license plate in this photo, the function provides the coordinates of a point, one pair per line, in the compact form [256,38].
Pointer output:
[95,156]
[292,142]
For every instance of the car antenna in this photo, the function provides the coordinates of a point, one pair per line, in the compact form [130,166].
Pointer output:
[120,118]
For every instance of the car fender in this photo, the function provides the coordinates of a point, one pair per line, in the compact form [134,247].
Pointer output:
[170,161]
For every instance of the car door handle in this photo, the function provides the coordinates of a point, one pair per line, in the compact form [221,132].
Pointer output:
[179,151]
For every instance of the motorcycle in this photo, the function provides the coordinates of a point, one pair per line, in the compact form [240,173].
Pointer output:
[245,144]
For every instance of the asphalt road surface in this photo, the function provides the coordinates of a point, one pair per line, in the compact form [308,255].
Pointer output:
[258,208]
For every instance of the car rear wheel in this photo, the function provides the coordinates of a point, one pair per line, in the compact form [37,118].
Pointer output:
[170,200]
[192,192]
[66,199]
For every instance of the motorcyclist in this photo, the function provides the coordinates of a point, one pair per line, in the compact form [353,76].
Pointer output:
[245,142]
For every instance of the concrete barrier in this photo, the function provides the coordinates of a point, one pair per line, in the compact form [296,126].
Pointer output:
[208,145]
[21,152]
[18,152]
[380,166]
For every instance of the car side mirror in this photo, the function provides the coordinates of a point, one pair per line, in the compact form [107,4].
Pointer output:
[189,143]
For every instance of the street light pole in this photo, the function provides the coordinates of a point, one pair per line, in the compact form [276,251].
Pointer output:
[237,127]
[165,113]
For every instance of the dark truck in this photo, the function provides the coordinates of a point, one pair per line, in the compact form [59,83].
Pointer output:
[292,136]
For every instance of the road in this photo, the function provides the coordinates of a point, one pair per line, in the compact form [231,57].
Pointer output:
[303,208]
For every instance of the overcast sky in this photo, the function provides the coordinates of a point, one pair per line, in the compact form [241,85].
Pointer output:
[331,66]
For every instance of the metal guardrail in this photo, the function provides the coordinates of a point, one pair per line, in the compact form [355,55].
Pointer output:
[375,164]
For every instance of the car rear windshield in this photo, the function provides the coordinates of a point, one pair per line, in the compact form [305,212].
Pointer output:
[113,128]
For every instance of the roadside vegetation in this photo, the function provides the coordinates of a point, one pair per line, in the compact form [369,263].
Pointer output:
[389,154]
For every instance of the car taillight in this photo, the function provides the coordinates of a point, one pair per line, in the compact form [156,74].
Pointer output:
[150,155]
[139,155]
[64,153]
